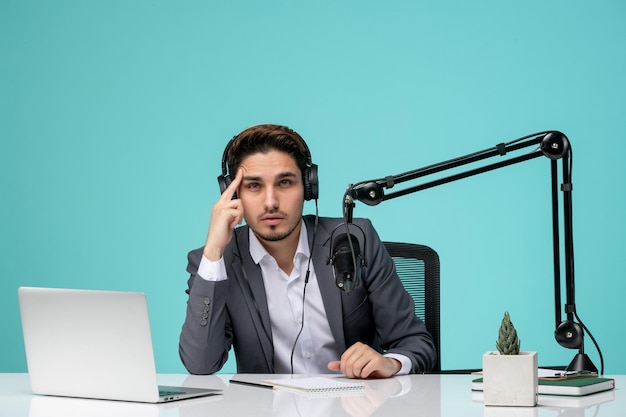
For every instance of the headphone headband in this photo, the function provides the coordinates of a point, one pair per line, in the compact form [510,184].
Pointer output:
[311,185]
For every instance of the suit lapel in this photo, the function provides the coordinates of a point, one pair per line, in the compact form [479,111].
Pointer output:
[251,284]
[331,295]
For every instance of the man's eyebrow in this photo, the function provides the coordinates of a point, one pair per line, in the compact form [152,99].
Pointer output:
[286,174]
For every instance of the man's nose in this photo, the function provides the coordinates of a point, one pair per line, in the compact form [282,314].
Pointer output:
[271,200]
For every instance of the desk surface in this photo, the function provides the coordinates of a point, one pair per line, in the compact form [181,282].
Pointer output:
[412,395]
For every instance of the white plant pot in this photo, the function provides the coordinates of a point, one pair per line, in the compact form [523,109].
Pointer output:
[510,380]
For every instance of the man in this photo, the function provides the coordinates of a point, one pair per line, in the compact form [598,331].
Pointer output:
[266,288]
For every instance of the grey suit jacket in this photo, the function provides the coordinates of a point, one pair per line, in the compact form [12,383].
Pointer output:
[234,312]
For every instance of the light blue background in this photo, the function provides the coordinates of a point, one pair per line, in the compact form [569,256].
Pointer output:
[114,116]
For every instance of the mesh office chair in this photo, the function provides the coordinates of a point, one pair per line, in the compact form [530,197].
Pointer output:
[418,269]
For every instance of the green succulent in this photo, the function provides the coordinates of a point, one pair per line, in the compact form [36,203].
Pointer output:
[507,343]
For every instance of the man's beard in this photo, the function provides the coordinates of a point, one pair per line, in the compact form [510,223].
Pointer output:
[274,236]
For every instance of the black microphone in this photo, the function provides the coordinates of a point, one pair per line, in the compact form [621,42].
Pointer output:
[344,268]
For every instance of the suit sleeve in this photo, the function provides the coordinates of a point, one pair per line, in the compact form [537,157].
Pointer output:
[204,339]
[398,329]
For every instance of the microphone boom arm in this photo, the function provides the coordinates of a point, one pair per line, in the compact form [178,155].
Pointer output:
[552,144]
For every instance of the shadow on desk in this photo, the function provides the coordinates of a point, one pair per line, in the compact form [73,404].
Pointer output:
[400,395]
[562,405]
[49,406]
[419,397]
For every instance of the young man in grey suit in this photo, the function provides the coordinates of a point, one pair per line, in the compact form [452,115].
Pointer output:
[266,289]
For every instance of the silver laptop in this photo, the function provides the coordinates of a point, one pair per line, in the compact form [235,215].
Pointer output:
[92,344]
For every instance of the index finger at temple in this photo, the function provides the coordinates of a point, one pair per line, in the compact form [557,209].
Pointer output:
[232,187]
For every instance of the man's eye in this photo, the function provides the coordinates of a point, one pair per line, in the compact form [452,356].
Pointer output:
[252,186]
[285,183]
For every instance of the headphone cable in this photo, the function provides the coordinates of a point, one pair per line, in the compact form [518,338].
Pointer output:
[306,281]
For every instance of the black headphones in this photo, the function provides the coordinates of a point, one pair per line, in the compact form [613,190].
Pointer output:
[311,185]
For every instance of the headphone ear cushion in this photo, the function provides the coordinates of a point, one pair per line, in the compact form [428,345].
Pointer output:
[311,185]
[224,181]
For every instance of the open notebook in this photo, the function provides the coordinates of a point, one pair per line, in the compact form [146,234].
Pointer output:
[92,344]
[315,386]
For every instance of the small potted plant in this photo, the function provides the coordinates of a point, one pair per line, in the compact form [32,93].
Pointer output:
[509,376]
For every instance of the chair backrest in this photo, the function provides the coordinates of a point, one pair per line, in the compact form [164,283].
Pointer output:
[418,269]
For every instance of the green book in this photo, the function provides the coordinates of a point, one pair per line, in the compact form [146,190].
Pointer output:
[570,386]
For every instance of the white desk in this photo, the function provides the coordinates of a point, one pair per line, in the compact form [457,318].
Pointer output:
[423,395]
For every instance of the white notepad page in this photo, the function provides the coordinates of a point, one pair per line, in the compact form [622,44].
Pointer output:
[315,384]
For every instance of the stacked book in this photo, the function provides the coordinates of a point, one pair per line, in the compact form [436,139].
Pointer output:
[572,391]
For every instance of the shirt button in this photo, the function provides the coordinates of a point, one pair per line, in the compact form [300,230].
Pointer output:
[307,355]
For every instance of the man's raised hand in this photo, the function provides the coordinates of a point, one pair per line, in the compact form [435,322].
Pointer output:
[225,215]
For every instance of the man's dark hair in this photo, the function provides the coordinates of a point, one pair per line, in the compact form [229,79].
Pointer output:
[263,139]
